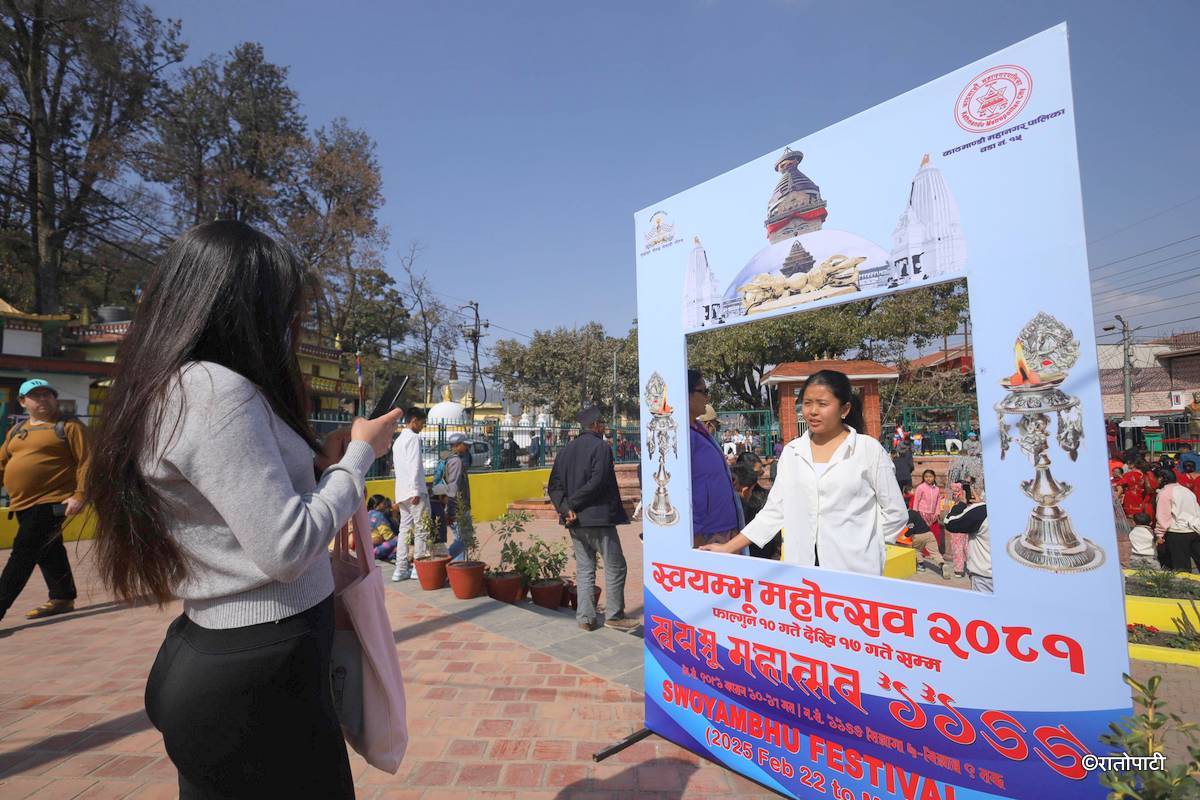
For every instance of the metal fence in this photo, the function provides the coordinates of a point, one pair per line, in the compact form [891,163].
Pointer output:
[749,430]
[1166,436]
[494,447]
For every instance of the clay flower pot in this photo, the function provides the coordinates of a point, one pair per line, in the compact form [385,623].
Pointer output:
[573,595]
[466,578]
[505,587]
[431,572]
[547,593]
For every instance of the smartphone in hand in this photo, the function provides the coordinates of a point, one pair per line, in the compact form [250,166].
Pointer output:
[390,398]
[59,509]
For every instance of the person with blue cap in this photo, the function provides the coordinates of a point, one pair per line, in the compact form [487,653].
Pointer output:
[43,463]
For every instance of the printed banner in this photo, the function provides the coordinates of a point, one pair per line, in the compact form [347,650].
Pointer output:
[819,682]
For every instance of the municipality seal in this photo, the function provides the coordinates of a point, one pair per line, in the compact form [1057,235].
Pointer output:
[992,98]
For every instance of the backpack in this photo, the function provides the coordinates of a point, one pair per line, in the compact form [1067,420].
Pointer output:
[19,431]
[440,471]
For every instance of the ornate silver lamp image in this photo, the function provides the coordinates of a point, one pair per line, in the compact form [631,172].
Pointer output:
[1045,350]
[660,434]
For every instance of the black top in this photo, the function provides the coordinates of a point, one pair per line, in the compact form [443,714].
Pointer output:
[583,480]
[916,523]
[904,467]
[750,508]
[969,522]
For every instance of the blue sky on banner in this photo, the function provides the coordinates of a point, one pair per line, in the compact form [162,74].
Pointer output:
[517,139]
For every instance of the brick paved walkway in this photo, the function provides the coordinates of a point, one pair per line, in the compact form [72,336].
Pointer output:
[503,703]
[489,717]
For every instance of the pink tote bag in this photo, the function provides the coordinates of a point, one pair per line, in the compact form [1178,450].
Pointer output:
[372,707]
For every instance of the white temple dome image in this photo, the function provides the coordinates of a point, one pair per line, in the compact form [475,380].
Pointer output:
[820,245]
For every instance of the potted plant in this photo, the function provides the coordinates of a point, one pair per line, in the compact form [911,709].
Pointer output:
[571,589]
[527,565]
[504,583]
[466,576]
[547,588]
[431,569]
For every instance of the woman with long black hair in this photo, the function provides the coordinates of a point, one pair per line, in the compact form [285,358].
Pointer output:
[212,488]
[835,497]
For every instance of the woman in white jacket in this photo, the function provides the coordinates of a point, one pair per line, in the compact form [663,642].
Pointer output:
[835,496]
[1178,520]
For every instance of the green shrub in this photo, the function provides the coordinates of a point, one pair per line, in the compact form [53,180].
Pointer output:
[1143,735]
[1161,583]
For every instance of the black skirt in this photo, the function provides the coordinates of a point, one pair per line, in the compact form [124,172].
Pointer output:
[249,710]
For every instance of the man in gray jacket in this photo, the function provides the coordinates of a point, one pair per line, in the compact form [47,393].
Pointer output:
[583,488]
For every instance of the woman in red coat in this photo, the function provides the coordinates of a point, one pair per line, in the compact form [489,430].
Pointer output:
[1136,495]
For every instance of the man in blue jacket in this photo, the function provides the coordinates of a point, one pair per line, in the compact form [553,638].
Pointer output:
[583,488]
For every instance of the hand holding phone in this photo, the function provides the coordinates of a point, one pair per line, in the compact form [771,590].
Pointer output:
[377,432]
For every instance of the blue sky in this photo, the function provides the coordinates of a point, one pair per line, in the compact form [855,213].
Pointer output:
[518,139]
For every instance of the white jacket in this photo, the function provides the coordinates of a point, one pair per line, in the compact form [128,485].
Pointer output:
[410,470]
[1177,510]
[848,513]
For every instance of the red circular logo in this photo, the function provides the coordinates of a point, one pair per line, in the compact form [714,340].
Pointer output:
[992,98]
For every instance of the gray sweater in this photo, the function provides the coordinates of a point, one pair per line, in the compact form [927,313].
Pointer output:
[243,502]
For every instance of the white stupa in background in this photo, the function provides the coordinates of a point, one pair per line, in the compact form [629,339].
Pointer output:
[699,288]
[448,413]
[928,240]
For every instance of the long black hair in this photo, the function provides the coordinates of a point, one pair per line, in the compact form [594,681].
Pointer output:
[839,386]
[223,292]
[1165,475]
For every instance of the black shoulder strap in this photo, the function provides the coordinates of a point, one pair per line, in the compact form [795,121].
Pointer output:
[60,427]
[13,431]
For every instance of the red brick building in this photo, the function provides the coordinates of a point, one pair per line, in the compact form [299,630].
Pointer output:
[958,359]
[864,375]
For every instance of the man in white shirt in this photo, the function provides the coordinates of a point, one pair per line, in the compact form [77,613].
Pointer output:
[412,496]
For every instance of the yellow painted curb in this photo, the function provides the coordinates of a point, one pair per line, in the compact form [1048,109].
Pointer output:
[1158,611]
[491,492]
[1166,655]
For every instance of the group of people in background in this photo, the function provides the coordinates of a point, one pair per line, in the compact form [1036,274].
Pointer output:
[836,498]
[1159,501]
[958,542]
[947,439]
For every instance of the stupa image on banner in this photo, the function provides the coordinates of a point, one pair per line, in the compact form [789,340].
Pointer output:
[805,261]
[928,241]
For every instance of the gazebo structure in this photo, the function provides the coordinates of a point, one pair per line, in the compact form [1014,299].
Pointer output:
[864,375]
